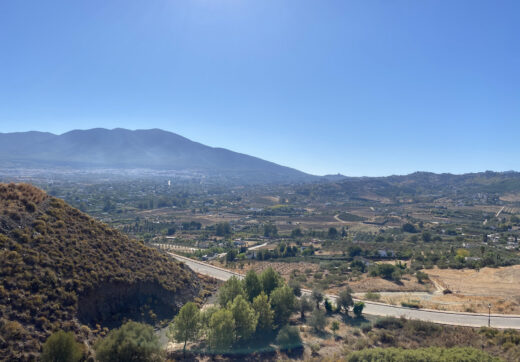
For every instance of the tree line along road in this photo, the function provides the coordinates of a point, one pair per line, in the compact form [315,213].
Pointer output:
[380,309]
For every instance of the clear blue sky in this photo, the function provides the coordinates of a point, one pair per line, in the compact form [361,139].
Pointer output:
[358,87]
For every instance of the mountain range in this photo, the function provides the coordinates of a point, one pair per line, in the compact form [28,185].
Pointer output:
[152,149]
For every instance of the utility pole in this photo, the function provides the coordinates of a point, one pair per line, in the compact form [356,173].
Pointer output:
[489,315]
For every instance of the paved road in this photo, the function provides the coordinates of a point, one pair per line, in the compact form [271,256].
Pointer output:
[500,211]
[379,309]
[163,246]
[207,269]
[258,246]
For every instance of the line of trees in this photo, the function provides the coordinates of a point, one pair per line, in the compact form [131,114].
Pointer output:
[261,303]
[258,306]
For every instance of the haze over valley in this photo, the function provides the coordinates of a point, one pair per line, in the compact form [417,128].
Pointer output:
[259,181]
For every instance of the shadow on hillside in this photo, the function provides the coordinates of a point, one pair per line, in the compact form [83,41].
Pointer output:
[355,321]
[258,348]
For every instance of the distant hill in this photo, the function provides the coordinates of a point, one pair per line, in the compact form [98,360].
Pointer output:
[61,269]
[486,187]
[149,149]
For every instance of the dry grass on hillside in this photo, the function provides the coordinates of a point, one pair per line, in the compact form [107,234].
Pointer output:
[52,256]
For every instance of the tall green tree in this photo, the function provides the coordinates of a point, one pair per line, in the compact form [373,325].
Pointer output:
[333,233]
[230,290]
[409,228]
[345,300]
[61,347]
[221,333]
[358,308]
[426,236]
[296,287]
[223,229]
[252,285]
[270,230]
[186,325]
[205,317]
[270,280]
[231,255]
[317,296]
[262,307]
[245,318]
[283,303]
[318,320]
[296,233]
[304,305]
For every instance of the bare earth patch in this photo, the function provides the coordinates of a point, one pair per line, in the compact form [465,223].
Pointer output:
[471,291]
[474,290]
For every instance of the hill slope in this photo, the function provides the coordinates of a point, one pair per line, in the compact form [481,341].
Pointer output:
[125,149]
[61,269]
[484,186]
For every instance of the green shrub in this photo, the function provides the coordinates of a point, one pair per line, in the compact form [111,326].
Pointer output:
[12,330]
[421,329]
[386,271]
[389,323]
[318,320]
[289,338]
[434,354]
[61,347]
[367,327]
[30,206]
[488,332]
[386,337]
[421,276]
[411,304]
[132,342]
[358,308]
[328,306]
[510,336]
[372,296]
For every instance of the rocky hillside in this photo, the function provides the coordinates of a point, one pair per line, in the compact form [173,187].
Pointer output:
[61,269]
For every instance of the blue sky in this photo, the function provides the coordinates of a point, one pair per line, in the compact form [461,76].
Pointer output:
[357,87]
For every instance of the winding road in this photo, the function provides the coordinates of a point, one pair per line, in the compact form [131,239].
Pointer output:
[380,309]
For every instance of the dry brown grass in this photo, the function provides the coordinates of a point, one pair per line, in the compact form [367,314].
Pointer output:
[376,284]
[511,197]
[473,290]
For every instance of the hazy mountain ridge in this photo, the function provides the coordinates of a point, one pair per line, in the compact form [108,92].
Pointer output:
[487,185]
[125,149]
